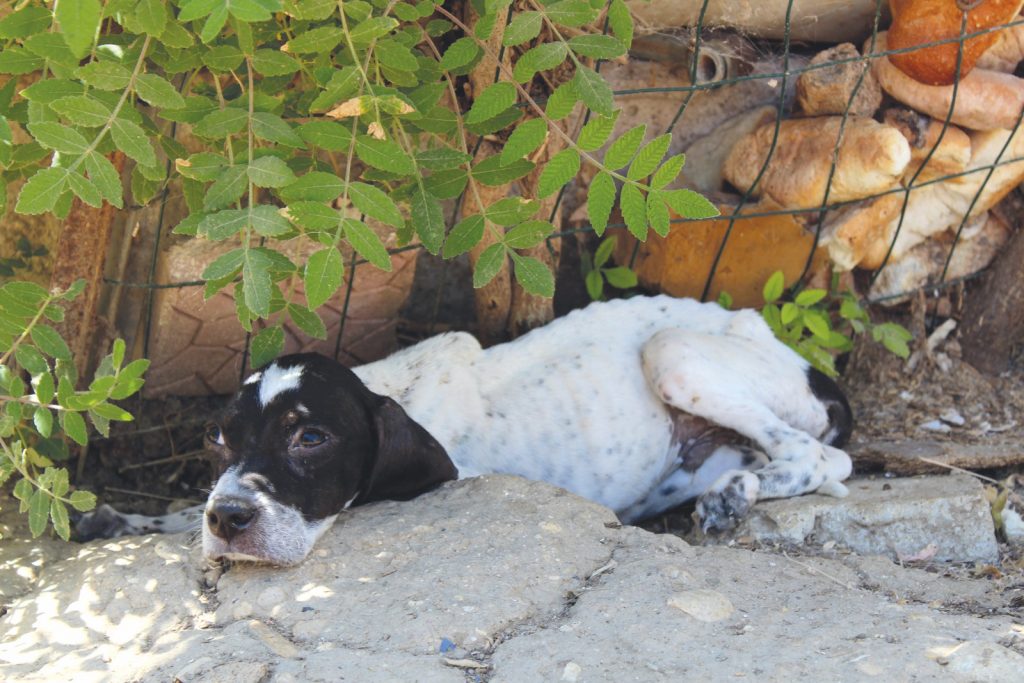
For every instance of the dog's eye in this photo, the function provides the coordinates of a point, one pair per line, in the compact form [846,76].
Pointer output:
[311,437]
[214,435]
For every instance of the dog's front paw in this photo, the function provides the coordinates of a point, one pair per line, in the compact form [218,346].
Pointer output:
[728,501]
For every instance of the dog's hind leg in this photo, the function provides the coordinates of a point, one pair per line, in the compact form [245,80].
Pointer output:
[760,389]
[106,522]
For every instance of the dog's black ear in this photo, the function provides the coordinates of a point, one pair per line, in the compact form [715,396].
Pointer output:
[408,460]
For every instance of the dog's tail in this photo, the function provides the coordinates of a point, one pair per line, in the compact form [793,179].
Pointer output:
[840,416]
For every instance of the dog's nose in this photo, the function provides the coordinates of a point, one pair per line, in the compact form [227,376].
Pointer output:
[228,517]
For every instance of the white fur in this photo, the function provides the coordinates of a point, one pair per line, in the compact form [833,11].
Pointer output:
[282,532]
[583,402]
[277,380]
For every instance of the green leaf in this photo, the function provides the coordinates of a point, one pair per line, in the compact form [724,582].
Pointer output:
[274,63]
[600,200]
[634,210]
[562,101]
[492,101]
[256,283]
[809,297]
[79,22]
[267,220]
[73,425]
[488,265]
[43,191]
[316,186]
[104,75]
[322,276]
[492,173]
[24,22]
[319,39]
[540,58]
[396,56]
[17,61]
[571,13]
[58,137]
[594,90]
[441,159]
[85,190]
[222,225]
[371,29]
[51,89]
[597,46]
[152,16]
[459,54]
[604,251]
[223,58]
[366,243]
[31,360]
[49,342]
[533,275]
[327,135]
[559,170]
[658,215]
[466,234]
[526,137]
[267,126]
[307,321]
[622,150]
[427,218]
[83,501]
[59,515]
[270,171]
[224,266]
[620,277]
[773,287]
[266,346]
[789,313]
[447,184]
[511,210]
[228,188]
[528,234]
[524,27]
[595,134]
[214,23]
[221,123]
[649,156]
[594,284]
[111,412]
[620,21]
[689,204]
[817,323]
[158,92]
[375,203]
[196,9]
[668,171]
[385,155]
[313,216]
[82,110]
[132,140]
[38,510]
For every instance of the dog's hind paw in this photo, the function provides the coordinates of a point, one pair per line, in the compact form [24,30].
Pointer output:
[728,501]
[833,488]
[103,522]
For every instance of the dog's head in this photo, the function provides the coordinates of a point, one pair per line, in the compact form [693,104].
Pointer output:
[302,440]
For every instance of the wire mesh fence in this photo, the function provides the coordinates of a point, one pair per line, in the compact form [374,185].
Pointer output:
[814,218]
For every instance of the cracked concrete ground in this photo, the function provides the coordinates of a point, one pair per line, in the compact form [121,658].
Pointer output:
[497,579]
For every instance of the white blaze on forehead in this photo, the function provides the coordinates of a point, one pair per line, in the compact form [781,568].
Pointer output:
[276,380]
[253,378]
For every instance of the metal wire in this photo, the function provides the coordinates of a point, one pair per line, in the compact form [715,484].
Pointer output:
[816,214]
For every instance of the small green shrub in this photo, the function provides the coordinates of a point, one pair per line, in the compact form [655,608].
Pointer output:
[596,274]
[34,415]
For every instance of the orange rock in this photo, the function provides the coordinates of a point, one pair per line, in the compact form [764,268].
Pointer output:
[758,246]
[916,22]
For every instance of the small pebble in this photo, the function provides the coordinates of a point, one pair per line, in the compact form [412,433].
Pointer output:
[953,417]
[936,426]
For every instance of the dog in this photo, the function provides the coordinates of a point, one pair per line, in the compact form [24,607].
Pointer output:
[639,404]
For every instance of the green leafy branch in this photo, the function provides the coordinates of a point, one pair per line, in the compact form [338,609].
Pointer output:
[30,440]
[819,323]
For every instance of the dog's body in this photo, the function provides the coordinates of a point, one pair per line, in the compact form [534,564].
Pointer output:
[638,404]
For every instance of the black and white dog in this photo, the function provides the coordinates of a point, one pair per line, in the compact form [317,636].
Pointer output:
[638,404]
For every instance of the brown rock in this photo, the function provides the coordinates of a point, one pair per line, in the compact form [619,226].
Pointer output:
[855,234]
[872,157]
[829,90]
